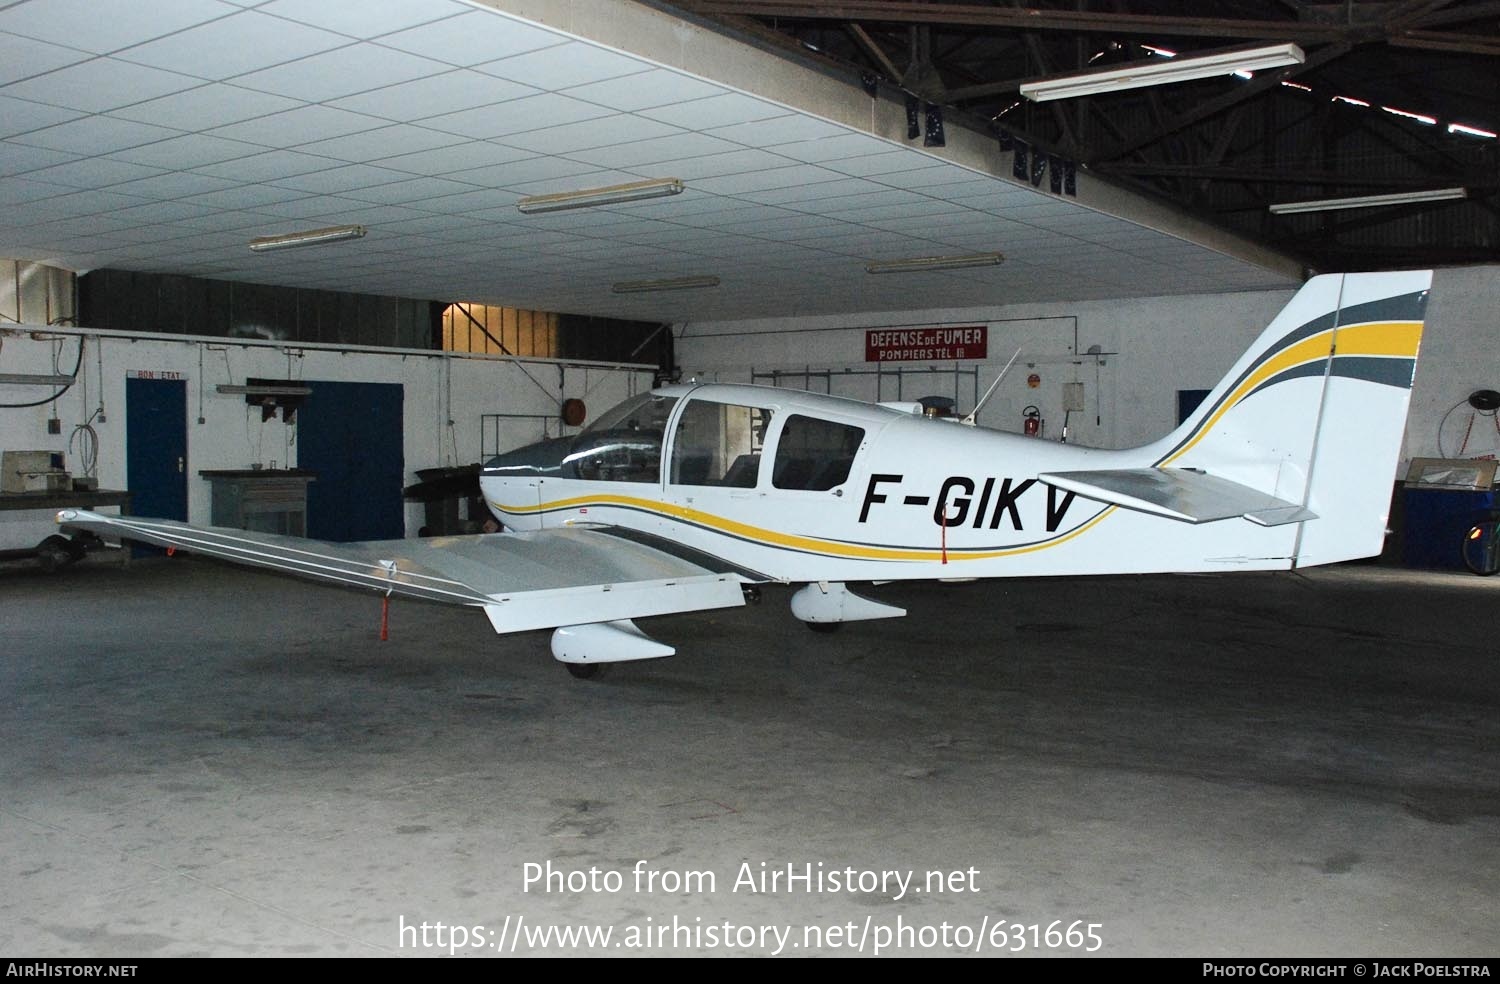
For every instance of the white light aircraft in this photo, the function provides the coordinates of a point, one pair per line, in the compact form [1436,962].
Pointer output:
[686,498]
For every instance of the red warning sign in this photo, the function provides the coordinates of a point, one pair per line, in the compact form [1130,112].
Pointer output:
[926,344]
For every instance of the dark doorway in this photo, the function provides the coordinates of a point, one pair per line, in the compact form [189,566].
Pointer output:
[156,447]
[1187,402]
[350,434]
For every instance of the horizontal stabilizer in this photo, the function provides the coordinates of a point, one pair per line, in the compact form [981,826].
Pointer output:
[1180,493]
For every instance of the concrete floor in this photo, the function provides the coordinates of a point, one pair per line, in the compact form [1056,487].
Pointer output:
[201,760]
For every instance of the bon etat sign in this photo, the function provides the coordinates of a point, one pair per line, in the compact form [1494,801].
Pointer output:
[925,344]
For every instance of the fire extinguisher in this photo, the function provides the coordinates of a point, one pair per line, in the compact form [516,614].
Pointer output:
[1032,421]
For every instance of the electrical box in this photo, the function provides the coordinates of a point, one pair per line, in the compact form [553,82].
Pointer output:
[33,471]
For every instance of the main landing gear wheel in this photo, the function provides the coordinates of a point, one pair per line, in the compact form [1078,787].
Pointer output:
[57,552]
[584,671]
[824,628]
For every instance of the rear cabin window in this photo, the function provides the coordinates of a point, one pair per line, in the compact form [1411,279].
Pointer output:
[719,444]
[814,455]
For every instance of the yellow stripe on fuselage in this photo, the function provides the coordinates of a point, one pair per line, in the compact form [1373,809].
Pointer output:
[772,538]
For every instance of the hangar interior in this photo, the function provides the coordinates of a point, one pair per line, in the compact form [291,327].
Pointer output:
[214,761]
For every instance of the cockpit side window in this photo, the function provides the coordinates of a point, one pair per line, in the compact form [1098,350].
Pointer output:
[719,444]
[624,444]
[814,455]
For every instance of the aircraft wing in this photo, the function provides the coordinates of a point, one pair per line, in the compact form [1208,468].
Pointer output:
[1180,493]
[546,579]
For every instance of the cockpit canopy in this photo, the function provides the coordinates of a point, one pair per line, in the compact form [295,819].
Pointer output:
[714,444]
[623,444]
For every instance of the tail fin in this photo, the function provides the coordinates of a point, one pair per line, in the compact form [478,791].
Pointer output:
[1315,412]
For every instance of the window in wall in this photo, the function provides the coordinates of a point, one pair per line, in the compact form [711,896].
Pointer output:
[719,444]
[499,331]
[814,455]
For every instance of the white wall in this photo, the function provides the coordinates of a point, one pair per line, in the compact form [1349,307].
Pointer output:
[438,388]
[1161,345]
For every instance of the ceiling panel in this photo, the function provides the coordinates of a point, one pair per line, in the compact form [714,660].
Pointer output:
[170,144]
[305,124]
[204,107]
[24,57]
[454,90]
[99,84]
[246,41]
[472,38]
[95,135]
[360,18]
[590,134]
[565,66]
[100,26]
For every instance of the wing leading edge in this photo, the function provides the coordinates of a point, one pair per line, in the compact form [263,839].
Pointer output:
[548,579]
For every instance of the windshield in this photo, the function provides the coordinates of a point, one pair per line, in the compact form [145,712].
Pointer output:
[623,444]
[647,412]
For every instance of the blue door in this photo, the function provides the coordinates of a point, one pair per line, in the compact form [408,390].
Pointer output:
[156,449]
[350,434]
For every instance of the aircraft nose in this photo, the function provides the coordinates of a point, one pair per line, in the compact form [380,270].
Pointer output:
[543,457]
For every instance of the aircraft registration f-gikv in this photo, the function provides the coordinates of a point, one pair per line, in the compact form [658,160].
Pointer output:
[688,497]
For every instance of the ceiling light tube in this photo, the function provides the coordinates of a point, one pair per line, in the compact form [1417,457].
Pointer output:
[34,379]
[1419,117]
[1472,131]
[1369,201]
[921,263]
[677,283]
[1153,72]
[312,237]
[233,390]
[592,197]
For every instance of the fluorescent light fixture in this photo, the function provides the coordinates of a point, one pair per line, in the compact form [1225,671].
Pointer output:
[591,197]
[921,263]
[1152,72]
[1472,131]
[1370,201]
[1350,100]
[1296,85]
[312,237]
[33,379]
[677,283]
[264,390]
[1428,120]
